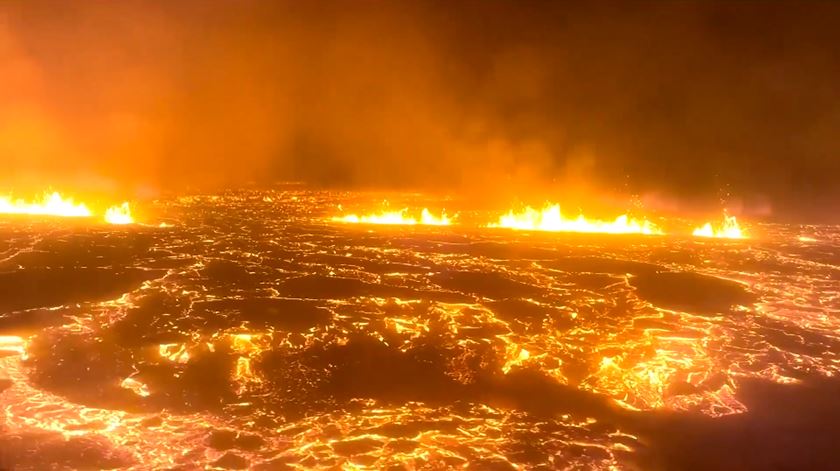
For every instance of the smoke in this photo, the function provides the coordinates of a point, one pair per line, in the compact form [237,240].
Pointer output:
[500,99]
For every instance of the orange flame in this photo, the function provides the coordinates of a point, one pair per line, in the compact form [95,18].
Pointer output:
[550,218]
[397,218]
[120,214]
[729,230]
[50,204]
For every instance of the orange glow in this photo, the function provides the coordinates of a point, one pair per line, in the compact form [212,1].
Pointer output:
[174,352]
[550,218]
[397,218]
[56,204]
[136,387]
[587,319]
[50,204]
[12,344]
[729,230]
[120,214]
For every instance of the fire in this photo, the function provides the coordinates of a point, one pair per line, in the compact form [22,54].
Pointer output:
[120,214]
[50,204]
[729,230]
[55,204]
[397,218]
[551,219]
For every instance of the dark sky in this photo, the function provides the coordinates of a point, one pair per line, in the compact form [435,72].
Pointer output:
[675,101]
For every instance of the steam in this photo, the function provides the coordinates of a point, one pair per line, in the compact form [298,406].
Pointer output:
[675,99]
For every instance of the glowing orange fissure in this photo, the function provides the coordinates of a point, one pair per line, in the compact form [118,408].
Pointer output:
[57,205]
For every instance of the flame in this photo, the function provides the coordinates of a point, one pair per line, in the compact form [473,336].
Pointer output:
[55,204]
[397,218]
[50,204]
[120,214]
[551,219]
[729,230]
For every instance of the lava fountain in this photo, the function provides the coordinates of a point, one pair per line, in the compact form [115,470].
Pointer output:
[401,217]
[728,230]
[120,215]
[551,219]
[50,204]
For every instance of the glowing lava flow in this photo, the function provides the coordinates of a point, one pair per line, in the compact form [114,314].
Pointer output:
[120,214]
[50,204]
[397,218]
[551,219]
[729,230]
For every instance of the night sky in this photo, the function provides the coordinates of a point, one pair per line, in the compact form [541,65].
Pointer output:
[680,103]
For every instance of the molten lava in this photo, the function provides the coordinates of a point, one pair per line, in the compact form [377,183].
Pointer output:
[550,218]
[293,346]
[50,204]
[729,230]
[397,218]
[120,214]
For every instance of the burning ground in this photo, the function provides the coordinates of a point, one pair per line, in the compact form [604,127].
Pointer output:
[256,332]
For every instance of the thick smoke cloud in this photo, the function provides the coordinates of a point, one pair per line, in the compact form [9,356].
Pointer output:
[673,100]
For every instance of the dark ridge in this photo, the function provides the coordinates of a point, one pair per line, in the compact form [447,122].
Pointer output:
[85,250]
[202,384]
[541,396]
[82,369]
[276,464]
[356,446]
[153,321]
[53,451]
[690,292]
[32,320]
[600,265]
[34,288]
[413,428]
[528,314]
[370,266]
[368,368]
[795,339]
[228,272]
[786,427]
[227,439]
[502,251]
[231,461]
[593,281]
[328,287]
[89,371]
[490,285]
[293,315]
[365,367]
